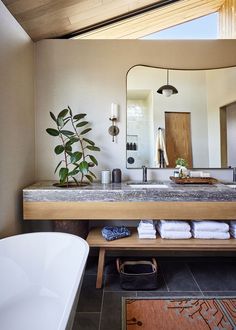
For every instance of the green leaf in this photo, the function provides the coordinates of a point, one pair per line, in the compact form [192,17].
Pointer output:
[89,177]
[93,159]
[74,172]
[53,116]
[63,113]
[79,116]
[63,174]
[83,166]
[82,123]
[68,149]
[59,149]
[52,131]
[60,122]
[66,121]
[67,133]
[57,166]
[75,157]
[93,148]
[85,131]
[89,141]
[70,111]
[90,172]
[72,141]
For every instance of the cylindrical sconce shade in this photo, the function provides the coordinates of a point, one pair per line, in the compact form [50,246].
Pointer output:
[114,110]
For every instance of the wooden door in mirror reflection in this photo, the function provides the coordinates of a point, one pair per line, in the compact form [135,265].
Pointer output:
[178,137]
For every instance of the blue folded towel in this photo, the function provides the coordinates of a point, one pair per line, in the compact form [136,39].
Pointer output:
[111,233]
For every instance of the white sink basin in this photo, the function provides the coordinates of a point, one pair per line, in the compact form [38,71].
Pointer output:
[152,186]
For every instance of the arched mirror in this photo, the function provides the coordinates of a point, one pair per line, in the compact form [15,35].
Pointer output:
[196,123]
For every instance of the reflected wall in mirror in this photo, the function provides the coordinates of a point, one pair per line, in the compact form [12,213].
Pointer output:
[197,124]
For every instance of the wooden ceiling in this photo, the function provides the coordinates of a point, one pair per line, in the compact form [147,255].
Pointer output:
[105,19]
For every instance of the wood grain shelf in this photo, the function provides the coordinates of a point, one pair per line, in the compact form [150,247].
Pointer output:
[95,239]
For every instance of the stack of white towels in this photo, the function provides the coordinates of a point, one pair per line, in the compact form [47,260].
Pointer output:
[210,229]
[232,228]
[172,229]
[146,229]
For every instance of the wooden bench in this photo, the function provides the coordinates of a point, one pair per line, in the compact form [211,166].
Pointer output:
[95,239]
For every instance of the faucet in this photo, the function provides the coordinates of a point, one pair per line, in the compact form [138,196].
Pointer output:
[234,174]
[144,173]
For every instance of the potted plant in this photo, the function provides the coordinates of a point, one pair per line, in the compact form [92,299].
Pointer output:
[76,150]
[182,165]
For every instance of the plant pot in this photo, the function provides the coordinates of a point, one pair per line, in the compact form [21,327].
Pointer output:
[71,184]
[75,227]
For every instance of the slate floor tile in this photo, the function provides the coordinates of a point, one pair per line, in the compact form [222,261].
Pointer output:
[86,321]
[91,266]
[111,318]
[90,298]
[215,276]
[178,277]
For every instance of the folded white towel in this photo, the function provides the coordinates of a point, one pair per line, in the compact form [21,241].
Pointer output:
[146,224]
[210,226]
[143,236]
[211,234]
[233,224]
[173,225]
[146,231]
[167,234]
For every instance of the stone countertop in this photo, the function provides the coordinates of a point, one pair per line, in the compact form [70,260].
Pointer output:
[44,191]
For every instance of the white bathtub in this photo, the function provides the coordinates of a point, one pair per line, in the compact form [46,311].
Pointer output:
[40,277]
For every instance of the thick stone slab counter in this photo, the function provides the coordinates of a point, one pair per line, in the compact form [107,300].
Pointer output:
[43,201]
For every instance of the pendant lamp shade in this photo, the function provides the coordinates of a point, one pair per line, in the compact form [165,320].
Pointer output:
[167,90]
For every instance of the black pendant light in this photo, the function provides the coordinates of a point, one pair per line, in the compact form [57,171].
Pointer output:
[167,90]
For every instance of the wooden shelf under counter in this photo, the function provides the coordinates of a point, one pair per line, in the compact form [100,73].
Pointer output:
[95,239]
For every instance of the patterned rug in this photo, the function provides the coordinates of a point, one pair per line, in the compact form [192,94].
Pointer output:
[179,313]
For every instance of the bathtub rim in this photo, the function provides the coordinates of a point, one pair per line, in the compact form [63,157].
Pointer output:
[65,319]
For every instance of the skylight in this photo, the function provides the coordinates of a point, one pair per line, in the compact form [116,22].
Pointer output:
[201,28]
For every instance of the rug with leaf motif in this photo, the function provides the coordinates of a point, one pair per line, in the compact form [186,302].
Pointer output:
[179,313]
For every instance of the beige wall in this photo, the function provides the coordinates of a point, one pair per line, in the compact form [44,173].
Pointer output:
[220,91]
[16,120]
[89,75]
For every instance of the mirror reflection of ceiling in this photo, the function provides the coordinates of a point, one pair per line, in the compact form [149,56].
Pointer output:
[197,124]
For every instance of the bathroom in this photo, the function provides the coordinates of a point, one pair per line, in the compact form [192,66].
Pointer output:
[53,74]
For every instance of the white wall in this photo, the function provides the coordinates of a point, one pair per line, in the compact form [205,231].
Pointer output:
[16,120]
[89,75]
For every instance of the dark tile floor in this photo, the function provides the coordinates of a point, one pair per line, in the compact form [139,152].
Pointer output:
[100,309]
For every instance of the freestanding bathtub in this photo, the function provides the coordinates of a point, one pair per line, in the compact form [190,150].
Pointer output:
[40,278]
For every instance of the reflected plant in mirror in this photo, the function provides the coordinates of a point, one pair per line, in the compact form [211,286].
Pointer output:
[74,147]
[197,124]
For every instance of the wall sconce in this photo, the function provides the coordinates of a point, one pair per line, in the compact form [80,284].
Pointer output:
[113,129]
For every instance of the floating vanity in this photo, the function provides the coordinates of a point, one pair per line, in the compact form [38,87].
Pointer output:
[43,201]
